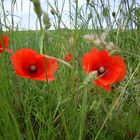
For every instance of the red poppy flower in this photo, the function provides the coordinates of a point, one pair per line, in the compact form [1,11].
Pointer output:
[29,64]
[4,44]
[112,68]
[68,57]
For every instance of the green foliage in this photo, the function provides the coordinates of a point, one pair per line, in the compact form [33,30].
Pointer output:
[34,110]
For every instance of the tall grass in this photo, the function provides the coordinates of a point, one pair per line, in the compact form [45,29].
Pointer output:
[36,110]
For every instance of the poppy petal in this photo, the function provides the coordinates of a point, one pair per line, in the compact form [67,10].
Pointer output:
[87,63]
[95,59]
[116,71]
[6,41]
[106,87]
[68,57]
[49,65]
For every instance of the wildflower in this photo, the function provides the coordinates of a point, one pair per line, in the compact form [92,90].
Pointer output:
[68,57]
[110,69]
[29,64]
[4,42]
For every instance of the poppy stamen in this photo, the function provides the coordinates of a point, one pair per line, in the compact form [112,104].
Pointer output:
[101,70]
[32,69]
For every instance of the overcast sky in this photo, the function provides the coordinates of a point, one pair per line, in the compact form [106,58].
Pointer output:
[23,9]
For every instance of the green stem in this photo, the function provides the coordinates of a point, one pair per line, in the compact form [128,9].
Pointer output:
[83,114]
[102,103]
[76,14]
[40,22]
[42,36]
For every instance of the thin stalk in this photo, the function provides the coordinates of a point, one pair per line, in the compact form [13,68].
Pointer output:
[98,17]
[29,15]
[76,14]
[40,23]
[67,64]
[61,112]
[83,114]
[3,10]
[70,15]
[102,103]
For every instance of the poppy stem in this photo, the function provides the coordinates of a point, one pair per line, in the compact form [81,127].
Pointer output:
[40,22]
[59,60]
[42,36]
[102,103]
[41,43]
[93,76]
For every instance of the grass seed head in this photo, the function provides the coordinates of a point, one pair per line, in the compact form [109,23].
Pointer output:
[46,21]
[37,8]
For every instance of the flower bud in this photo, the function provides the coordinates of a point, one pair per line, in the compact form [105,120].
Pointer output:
[114,14]
[53,12]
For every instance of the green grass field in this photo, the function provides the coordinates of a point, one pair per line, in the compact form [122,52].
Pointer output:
[60,110]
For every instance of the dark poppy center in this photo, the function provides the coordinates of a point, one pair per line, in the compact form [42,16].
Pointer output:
[32,69]
[101,70]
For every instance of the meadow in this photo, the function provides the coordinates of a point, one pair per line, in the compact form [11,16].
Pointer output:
[70,107]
